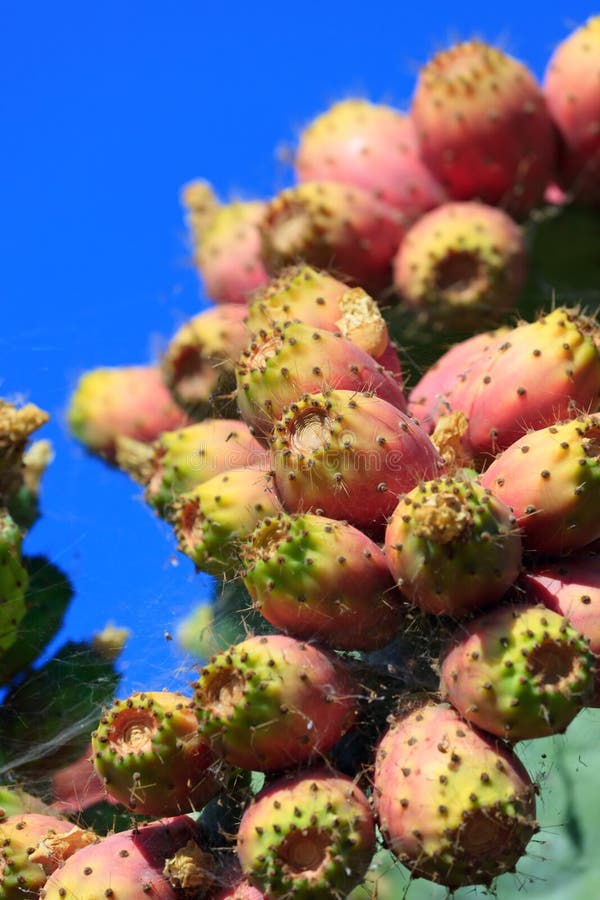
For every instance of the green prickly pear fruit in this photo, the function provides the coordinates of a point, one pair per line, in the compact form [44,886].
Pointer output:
[13,582]
[452,546]
[273,702]
[150,756]
[518,672]
[311,836]
[322,578]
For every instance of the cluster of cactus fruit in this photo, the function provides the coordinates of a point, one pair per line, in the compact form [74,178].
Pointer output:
[410,572]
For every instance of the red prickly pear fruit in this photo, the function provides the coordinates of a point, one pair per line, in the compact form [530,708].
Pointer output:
[540,373]
[349,456]
[318,299]
[311,836]
[518,672]
[165,859]
[452,546]
[551,480]
[273,702]
[280,365]
[241,890]
[212,519]
[322,578]
[226,241]
[336,227]
[571,588]
[428,400]
[373,147]
[483,127]
[32,845]
[76,786]
[454,805]
[129,401]
[181,460]
[150,756]
[461,265]
[572,89]
[198,365]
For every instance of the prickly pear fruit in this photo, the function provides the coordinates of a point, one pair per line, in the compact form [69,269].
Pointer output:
[212,519]
[318,299]
[336,227]
[198,365]
[572,90]
[454,805]
[483,127]
[128,400]
[32,845]
[280,365]
[322,578]
[373,147]
[349,456]
[310,835]
[150,756]
[181,460]
[518,672]
[273,702]
[461,266]
[226,242]
[571,588]
[165,859]
[452,546]
[428,400]
[540,373]
[551,480]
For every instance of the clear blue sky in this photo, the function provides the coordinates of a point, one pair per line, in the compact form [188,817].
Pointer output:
[107,109]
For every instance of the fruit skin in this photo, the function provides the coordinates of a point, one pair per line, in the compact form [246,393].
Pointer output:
[454,805]
[21,876]
[150,756]
[373,147]
[572,90]
[318,299]
[320,578]
[349,456]
[183,459]
[214,517]
[198,365]
[571,588]
[539,373]
[332,226]
[452,546]
[428,400]
[226,242]
[129,400]
[241,890]
[518,672]
[483,127]
[461,265]
[135,863]
[310,835]
[273,702]
[281,364]
[551,480]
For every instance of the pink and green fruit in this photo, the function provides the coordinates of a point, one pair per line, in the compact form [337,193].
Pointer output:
[518,672]
[311,836]
[273,702]
[321,578]
[453,804]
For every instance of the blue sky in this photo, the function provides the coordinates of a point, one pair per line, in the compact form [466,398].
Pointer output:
[107,109]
